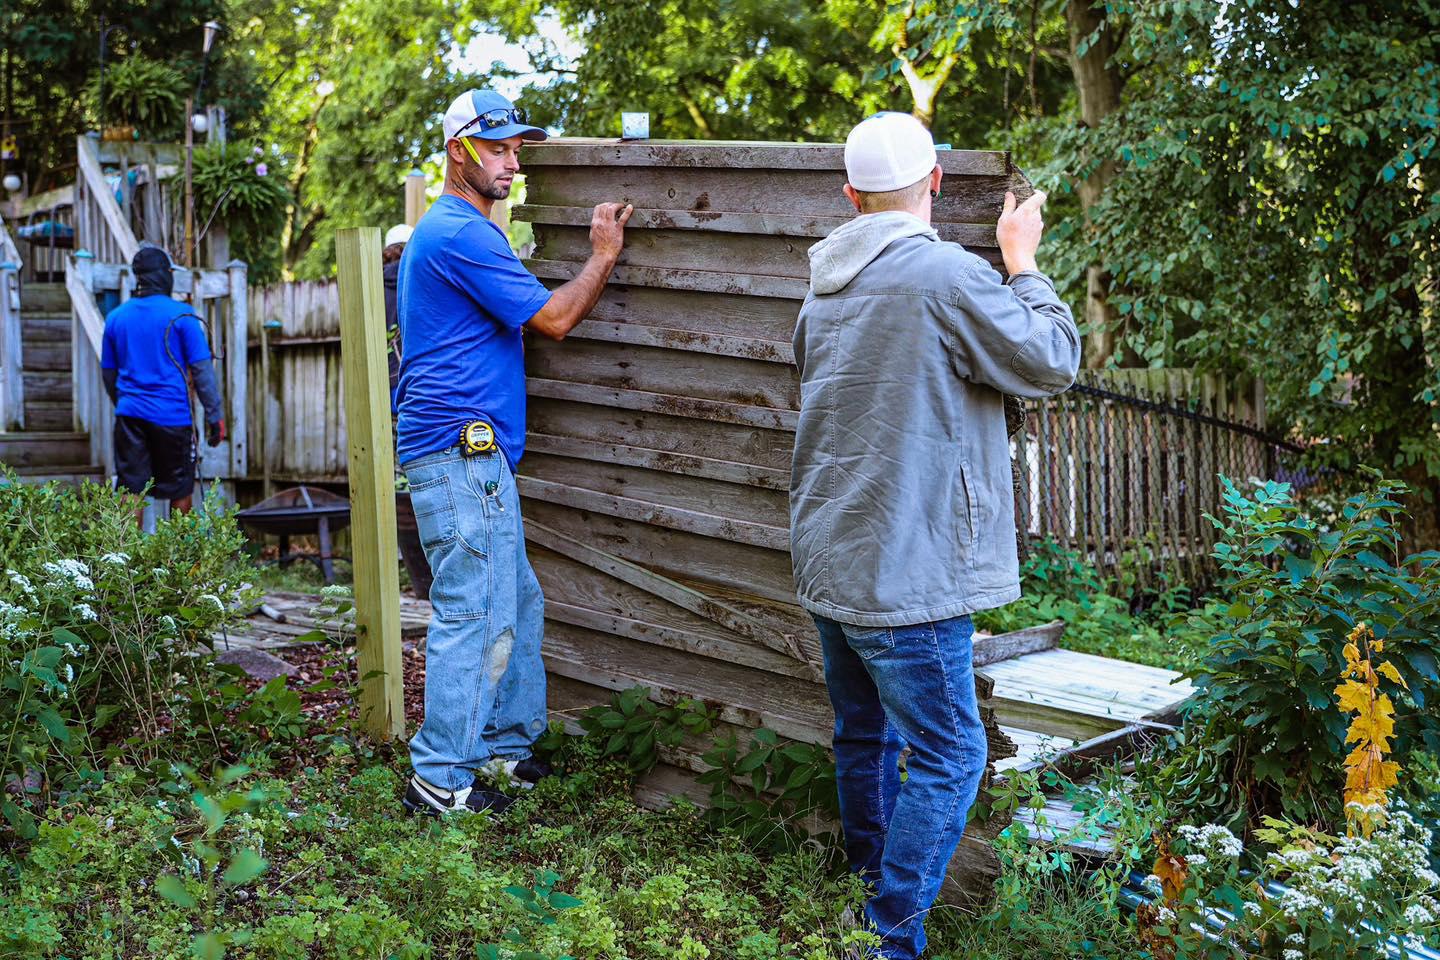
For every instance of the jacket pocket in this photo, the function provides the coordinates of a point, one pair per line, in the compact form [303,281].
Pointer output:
[967,530]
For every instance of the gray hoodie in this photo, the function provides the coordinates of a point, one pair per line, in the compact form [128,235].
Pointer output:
[901,504]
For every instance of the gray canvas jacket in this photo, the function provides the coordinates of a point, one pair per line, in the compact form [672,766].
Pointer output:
[901,504]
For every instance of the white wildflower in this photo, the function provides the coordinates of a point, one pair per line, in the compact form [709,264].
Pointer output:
[168,622]
[220,604]
[1296,938]
[1293,955]
[69,673]
[1295,902]
[86,612]
[117,559]
[72,571]
[21,581]
[1152,883]
[1252,908]
[1165,915]
[1417,916]
[160,571]
[335,591]
[1212,839]
[1197,860]
[8,611]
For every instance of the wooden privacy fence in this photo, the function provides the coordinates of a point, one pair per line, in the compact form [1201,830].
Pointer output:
[296,402]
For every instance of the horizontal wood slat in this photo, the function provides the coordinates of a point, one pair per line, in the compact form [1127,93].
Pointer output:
[732,155]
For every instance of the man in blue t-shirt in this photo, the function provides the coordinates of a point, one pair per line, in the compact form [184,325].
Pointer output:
[152,350]
[464,299]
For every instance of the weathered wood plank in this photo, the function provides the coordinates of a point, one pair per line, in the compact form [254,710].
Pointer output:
[700,280]
[674,404]
[754,255]
[1006,646]
[674,518]
[734,154]
[755,570]
[658,370]
[772,351]
[803,193]
[664,488]
[974,235]
[677,435]
[686,597]
[767,478]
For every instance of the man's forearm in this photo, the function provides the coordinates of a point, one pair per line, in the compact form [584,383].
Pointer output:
[572,301]
[111,378]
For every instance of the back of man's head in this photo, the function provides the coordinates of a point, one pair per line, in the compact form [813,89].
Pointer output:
[888,160]
[153,272]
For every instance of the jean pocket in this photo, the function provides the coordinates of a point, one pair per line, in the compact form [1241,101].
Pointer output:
[434,507]
[869,642]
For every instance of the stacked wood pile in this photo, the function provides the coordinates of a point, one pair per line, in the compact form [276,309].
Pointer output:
[660,433]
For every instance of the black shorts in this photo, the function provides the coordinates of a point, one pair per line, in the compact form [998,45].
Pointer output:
[146,451]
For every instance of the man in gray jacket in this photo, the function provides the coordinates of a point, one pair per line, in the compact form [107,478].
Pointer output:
[902,509]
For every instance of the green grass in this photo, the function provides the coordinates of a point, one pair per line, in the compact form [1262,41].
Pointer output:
[350,875]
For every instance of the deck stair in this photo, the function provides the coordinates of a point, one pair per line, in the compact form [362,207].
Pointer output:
[48,448]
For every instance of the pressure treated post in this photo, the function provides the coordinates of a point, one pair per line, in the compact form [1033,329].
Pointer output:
[372,480]
[414,197]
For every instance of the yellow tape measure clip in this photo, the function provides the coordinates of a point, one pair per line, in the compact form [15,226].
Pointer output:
[477,437]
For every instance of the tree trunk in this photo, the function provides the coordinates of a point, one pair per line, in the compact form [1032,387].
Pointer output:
[1098,84]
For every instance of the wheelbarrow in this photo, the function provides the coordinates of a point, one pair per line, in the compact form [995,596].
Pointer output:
[300,510]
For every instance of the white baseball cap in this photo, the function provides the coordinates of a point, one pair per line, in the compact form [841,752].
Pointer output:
[888,151]
[488,115]
[400,233]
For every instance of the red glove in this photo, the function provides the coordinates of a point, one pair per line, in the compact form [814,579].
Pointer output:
[215,432]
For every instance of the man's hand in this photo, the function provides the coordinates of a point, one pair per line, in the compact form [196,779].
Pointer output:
[215,433]
[1018,232]
[607,229]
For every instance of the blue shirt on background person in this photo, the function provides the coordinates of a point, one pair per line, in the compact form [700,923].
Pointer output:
[464,297]
[149,383]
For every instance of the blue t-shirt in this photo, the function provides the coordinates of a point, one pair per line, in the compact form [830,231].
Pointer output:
[464,296]
[149,384]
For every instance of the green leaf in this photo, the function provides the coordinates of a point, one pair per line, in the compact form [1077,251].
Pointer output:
[563,901]
[171,888]
[246,866]
[54,724]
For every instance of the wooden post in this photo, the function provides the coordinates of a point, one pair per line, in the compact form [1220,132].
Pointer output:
[372,480]
[414,197]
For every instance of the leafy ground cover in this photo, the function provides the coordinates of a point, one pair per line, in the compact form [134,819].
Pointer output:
[157,805]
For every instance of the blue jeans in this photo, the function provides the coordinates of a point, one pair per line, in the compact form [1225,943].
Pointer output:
[484,679]
[892,687]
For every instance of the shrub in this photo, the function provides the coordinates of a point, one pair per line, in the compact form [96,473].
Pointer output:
[1343,897]
[1266,735]
[104,630]
[1098,611]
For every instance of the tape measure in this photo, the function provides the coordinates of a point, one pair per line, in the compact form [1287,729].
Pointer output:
[476,437]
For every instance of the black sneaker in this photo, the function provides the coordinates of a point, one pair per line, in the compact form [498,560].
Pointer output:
[422,797]
[518,773]
[532,770]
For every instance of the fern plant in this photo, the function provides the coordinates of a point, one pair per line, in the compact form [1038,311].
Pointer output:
[145,93]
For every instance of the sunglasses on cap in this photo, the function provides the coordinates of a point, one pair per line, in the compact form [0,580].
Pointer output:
[491,119]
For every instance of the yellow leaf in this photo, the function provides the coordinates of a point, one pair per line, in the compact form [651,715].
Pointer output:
[1387,669]
[1354,697]
[1377,645]
[1352,654]
[1359,631]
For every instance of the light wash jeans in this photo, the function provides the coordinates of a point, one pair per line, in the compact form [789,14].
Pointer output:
[892,687]
[484,679]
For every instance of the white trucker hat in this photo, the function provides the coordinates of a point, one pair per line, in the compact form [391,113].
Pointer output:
[888,151]
[400,233]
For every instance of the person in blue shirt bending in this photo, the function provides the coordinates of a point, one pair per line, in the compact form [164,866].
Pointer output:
[153,349]
[464,298]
